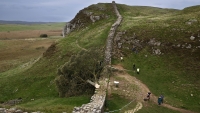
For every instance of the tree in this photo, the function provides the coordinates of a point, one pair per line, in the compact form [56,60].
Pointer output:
[73,75]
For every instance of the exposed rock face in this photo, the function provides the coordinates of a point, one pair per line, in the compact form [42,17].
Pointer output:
[68,27]
[83,18]
[121,40]
[192,38]
[94,18]
[189,46]
[154,42]
[191,21]
[157,51]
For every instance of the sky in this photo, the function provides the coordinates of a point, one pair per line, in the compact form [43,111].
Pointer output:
[65,10]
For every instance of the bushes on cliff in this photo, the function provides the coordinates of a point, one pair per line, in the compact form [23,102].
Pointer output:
[73,75]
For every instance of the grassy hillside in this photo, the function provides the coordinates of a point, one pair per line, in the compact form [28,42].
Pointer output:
[37,82]
[174,74]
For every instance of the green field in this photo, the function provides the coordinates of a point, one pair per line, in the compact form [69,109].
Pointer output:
[18,27]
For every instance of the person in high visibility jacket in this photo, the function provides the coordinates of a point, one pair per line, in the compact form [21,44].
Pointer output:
[122,59]
[138,70]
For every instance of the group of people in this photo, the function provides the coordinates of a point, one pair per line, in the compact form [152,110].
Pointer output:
[160,98]
[148,95]
[134,67]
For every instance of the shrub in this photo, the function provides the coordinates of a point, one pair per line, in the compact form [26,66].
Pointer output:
[43,35]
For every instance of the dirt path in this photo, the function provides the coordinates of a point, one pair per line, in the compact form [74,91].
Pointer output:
[80,46]
[139,92]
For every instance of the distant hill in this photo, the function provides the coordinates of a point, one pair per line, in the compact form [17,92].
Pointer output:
[22,22]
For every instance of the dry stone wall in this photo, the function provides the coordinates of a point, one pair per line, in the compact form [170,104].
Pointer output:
[109,43]
[15,110]
[97,101]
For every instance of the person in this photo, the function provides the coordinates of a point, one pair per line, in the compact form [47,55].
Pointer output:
[162,98]
[138,70]
[134,48]
[159,100]
[100,63]
[133,66]
[148,95]
[121,59]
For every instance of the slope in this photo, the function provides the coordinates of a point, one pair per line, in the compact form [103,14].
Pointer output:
[37,82]
[159,42]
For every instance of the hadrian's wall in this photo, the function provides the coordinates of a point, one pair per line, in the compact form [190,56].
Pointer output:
[109,43]
[97,101]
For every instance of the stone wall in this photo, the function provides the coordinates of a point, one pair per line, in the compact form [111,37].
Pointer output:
[97,101]
[109,43]
[15,110]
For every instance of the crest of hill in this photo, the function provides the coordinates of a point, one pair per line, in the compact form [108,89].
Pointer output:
[144,10]
[191,9]
[90,15]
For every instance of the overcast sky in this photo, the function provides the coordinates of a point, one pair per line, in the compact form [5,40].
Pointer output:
[65,10]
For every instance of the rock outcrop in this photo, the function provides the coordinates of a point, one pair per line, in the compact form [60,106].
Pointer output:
[85,17]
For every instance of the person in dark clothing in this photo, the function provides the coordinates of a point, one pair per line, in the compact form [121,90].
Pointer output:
[148,95]
[100,63]
[159,100]
[133,49]
[133,66]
